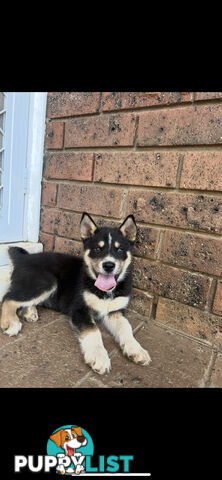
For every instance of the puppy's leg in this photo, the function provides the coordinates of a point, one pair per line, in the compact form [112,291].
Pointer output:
[9,321]
[91,343]
[29,314]
[121,329]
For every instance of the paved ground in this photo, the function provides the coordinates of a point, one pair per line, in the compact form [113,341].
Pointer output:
[47,354]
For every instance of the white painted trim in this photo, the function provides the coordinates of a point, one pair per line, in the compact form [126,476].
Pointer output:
[36,134]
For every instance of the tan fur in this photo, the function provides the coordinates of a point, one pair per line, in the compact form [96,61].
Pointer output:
[88,331]
[8,313]
[88,263]
[9,319]
[117,244]
[30,314]
[101,243]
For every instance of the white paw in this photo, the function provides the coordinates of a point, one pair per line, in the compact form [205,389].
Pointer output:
[79,469]
[135,352]
[97,358]
[14,328]
[31,315]
[61,469]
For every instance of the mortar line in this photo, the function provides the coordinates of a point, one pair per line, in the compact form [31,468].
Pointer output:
[164,106]
[141,148]
[142,188]
[160,242]
[154,226]
[179,170]
[211,295]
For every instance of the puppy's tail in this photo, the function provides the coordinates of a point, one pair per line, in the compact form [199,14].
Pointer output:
[15,253]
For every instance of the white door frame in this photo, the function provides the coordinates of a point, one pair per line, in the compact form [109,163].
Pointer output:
[35,147]
[32,201]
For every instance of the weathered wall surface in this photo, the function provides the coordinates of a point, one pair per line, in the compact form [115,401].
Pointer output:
[157,155]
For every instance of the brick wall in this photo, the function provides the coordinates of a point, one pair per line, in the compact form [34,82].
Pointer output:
[157,155]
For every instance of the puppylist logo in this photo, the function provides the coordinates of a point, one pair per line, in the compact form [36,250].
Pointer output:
[70,449]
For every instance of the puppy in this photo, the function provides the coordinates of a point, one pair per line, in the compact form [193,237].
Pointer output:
[92,289]
[69,439]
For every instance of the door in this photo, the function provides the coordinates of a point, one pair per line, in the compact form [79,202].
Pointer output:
[14,116]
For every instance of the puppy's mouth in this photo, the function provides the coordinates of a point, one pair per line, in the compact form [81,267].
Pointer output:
[105,282]
[70,451]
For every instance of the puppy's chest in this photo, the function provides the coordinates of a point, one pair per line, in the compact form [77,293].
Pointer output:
[103,306]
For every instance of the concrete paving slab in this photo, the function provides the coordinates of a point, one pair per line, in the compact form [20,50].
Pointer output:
[47,354]
[177,361]
[46,317]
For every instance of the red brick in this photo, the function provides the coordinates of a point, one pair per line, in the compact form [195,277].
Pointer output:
[70,166]
[217,304]
[202,170]
[147,242]
[54,135]
[49,193]
[188,319]
[141,302]
[193,251]
[190,125]
[72,247]
[124,100]
[47,241]
[65,104]
[61,223]
[171,282]
[135,168]
[207,95]
[100,131]
[96,200]
[196,212]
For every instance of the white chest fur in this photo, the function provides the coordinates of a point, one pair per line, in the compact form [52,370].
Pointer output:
[105,306]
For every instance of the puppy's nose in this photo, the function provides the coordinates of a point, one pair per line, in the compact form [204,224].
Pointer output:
[108,266]
[80,438]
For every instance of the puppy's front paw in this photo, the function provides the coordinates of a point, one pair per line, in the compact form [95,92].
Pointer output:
[97,358]
[133,350]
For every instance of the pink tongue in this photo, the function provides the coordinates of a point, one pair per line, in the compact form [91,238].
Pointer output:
[105,282]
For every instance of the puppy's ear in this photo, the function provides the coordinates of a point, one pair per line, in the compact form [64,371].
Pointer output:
[76,430]
[57,438]
[128,228]
[87,226]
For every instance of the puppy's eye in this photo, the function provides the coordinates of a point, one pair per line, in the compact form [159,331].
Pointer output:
[67,438]
[120,250]
[98,249]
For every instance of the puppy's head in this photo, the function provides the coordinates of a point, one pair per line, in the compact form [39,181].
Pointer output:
[69,439]
[107,251]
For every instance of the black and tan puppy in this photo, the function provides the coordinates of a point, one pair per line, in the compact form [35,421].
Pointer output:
[90,290]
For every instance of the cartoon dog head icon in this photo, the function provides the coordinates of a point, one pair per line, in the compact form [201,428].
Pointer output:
[69,439]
